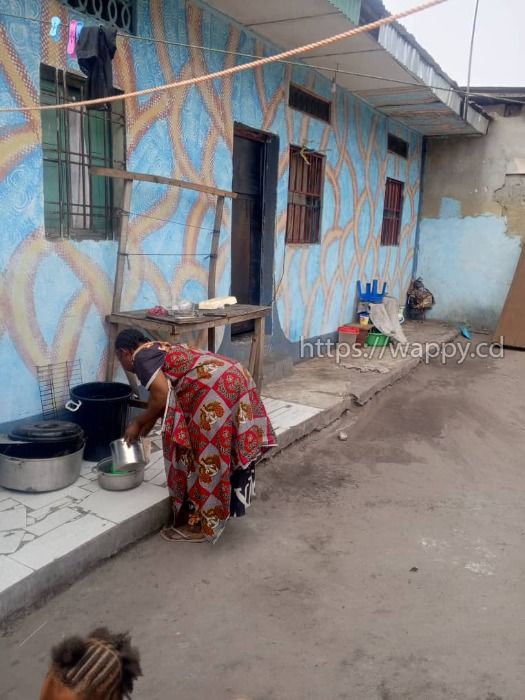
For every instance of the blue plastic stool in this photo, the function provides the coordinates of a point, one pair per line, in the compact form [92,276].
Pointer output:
[371,295]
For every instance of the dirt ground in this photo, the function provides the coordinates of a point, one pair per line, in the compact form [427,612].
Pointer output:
[387,567]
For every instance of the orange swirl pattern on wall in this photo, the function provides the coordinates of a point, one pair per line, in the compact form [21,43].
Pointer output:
[186,134]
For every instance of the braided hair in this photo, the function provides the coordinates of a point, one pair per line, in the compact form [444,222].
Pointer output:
[103,666]
[130,339]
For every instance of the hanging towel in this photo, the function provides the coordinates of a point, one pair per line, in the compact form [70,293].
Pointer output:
[95,49]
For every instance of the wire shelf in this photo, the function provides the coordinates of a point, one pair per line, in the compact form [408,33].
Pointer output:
[54,384]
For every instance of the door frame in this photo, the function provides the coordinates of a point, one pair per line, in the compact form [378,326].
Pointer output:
[269,206]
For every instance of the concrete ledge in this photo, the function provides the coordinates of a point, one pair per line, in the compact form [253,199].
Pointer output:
[321,420]
[383,381]
[34,588]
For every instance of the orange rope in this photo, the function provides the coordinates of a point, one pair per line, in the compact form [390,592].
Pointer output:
[235,69]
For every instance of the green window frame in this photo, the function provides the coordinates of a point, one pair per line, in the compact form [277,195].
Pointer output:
[78,205]
[119,13]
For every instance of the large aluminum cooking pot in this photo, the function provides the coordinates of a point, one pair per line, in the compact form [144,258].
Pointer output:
[36,475]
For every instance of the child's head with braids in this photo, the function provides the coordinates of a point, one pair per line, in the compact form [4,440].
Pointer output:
[103,666]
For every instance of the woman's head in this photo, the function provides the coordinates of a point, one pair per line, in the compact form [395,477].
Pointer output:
[126,343]
[102,666]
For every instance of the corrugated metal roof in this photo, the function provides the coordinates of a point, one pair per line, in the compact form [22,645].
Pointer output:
[433,107]
[388,69]
[350,8]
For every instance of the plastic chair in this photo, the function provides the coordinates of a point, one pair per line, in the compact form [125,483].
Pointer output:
[371,295]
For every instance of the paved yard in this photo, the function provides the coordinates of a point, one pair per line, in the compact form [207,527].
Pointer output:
[387,567]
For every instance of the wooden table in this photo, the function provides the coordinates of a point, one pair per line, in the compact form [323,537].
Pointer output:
[164,326]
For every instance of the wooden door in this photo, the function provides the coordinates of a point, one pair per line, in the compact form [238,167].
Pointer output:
[511,326]
[247,220]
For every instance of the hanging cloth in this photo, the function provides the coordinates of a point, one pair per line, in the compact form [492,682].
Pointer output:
[96,47]
[72,38]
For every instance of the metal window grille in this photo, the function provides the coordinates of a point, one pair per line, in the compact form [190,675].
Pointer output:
[392,213]
[76,204]
[398,146]
[305,193]
[119,13]
[307,102]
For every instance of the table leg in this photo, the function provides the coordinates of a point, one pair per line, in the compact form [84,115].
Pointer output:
[113,332]
[259,352]
[211,339]
[253,355]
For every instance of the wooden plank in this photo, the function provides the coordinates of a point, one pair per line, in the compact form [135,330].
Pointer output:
[511,326]
[253,354]
[160,180]
[138,318]
[113,332]
[212,272]
[122,246]
[230,311]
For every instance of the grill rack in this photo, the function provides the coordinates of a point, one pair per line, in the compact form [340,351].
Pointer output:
[54,384]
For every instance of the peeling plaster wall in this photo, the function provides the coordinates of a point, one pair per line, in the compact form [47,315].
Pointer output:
[473,220]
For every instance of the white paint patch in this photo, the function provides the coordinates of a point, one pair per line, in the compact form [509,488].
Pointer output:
[482,568]
[431,543]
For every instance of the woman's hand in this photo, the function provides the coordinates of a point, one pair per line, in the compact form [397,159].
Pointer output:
[132,433]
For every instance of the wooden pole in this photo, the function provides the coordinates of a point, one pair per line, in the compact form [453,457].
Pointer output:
[215,247]
[122,248]
[212,273]
[119,276]
[160,180]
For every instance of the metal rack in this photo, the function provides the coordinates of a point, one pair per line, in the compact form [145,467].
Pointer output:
[54,384]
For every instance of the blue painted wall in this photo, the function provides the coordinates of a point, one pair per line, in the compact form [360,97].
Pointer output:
[468,263]
[55,294]
[472,225]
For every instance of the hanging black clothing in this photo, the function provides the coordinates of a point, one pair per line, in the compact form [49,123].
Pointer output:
[95,49]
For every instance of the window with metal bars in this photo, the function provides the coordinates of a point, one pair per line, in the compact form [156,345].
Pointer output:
[119,13]
[76,204]
[305,196]
[393,212]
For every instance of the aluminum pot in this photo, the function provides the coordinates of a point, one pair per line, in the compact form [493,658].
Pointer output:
[37,474]
[126,456]
[117,482]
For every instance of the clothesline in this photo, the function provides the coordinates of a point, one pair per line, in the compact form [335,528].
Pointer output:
[235,69]
[299,64]
[169,255]
[241,54]
[166,221]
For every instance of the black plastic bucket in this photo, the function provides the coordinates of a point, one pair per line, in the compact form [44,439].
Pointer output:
[100,408]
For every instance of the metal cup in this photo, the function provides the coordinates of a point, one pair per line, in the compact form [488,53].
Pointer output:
[127,456]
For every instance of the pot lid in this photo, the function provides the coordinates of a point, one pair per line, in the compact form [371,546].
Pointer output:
[47,431]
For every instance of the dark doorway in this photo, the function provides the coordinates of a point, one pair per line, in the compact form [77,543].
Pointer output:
[255,155]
